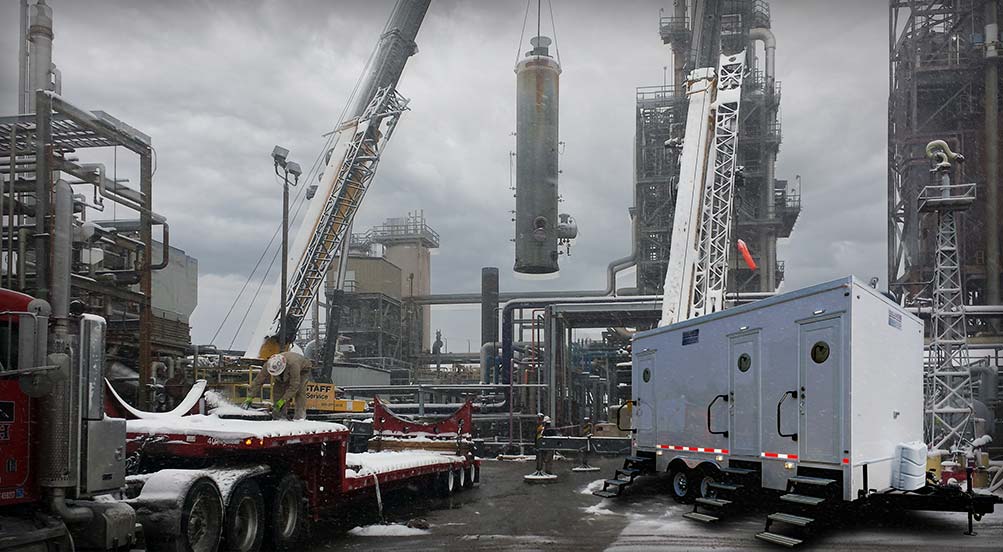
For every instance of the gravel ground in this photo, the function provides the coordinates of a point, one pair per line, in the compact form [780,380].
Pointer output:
[504,513]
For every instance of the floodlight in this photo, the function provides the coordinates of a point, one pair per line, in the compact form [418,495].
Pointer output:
[294,168]
[279,154]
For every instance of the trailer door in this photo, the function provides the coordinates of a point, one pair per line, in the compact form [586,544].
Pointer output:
[744,369]
[820,371]
[643,384]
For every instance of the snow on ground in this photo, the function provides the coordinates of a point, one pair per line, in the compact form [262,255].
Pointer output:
[230,430]
[364,464]
[593,486]
[392,530]
[600,508]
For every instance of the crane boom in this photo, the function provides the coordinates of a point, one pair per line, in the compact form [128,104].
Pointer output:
[697,272]
[351,165]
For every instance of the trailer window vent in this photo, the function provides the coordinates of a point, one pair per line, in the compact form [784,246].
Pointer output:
[744,362]
[646,375]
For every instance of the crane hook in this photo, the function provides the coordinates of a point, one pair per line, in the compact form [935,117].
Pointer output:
[940,153]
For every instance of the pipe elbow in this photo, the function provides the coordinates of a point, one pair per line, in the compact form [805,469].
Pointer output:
[70,514]
[765,35]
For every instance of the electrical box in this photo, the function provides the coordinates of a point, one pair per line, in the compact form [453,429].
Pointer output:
[828,377]
[103,467]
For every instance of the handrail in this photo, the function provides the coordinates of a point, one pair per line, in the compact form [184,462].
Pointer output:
[709,430]
[792,394]
[621,407]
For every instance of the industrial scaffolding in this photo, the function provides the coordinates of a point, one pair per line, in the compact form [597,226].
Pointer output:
[944,85]
[765,208]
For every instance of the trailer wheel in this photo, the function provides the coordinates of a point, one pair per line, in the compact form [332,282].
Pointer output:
[468,477]
[287,517]
[460,475]
[706,477]
[445,483]
[201,521]
[244,526]
[685,485]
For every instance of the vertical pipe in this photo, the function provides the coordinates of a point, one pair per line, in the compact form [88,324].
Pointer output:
[22,59]
[489,315]
[39,50]
[992,149]
[43,114]
[145,277]
[283,324]
[62,244]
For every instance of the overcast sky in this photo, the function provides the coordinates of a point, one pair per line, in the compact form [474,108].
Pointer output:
[218,83]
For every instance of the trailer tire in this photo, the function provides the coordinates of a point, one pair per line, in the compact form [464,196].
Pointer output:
[468,477]
[244,523]
[201,521]
[684,484]
[706,475]
[445,483]
[460,475]
[287,517]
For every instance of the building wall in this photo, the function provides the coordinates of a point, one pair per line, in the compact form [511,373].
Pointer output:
[356,374]
[414,260]
[175,288]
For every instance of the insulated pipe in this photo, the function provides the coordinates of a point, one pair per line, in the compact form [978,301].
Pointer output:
[39,51]
[489,352]
[69,514]
[62,253]
[768,245]
[992,148]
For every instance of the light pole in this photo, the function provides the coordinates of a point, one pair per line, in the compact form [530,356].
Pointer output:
[279,155]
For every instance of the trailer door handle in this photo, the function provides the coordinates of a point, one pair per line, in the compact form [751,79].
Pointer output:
[792,394]
[709,406]
[627,404]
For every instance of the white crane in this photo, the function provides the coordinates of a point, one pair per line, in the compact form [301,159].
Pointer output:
[697,274]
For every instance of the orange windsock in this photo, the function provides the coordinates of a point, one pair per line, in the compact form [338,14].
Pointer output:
[746,256]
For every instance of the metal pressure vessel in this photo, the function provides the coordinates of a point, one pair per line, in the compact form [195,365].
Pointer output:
[537,84]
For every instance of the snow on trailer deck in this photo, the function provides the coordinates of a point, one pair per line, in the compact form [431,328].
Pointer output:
[215,432]
[391,466]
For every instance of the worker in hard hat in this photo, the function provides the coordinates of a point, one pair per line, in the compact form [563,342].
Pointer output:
[290,374]
[544,458]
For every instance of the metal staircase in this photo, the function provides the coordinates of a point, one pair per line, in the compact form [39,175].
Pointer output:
[721,496]
[633,467]
[801,509]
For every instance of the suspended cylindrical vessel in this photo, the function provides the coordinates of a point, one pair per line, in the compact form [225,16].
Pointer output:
[537,85]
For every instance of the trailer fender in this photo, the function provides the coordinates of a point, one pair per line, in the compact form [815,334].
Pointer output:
[227,478]
[692,462]
[158,506]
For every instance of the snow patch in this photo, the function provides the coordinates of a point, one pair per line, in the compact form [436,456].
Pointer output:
[364,464]
[230,430]
[220,406]
[392,530]
[593,486]
[599,509]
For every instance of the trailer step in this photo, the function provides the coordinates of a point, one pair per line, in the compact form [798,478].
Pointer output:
[732,487]
[713,502]
[802,499]
[697,516]
[606,494]
[629,471]
[639,459]
[791,519]
[737,471]
[616,482]
[782,540]
[822,482]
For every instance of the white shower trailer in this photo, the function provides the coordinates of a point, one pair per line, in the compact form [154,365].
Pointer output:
[819,382]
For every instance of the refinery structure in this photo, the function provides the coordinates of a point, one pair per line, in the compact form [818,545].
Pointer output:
[746,397]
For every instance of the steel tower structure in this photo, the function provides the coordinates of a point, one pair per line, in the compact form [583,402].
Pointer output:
[949,401]
[944,85]
[765,209]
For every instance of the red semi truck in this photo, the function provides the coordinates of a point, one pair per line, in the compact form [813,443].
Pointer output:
[197,481]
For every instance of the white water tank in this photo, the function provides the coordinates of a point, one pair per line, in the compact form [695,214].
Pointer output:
[909,468]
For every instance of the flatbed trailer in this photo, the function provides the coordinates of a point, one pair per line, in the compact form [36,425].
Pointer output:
[202,482]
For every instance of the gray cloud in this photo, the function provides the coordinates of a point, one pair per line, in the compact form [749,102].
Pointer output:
[216,84]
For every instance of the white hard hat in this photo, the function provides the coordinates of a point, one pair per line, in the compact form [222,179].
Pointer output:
[276,364]
[546,419]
